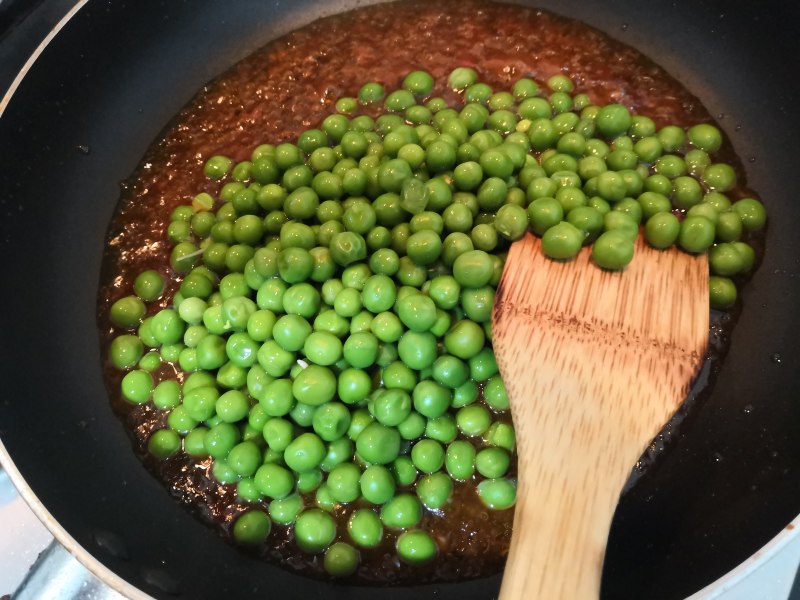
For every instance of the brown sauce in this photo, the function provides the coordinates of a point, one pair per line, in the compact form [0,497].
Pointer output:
[291,85]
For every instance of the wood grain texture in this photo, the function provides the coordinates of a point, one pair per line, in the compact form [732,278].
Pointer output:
[595,363]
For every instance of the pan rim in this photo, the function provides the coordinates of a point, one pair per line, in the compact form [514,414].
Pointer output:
[63,537]
[723,584]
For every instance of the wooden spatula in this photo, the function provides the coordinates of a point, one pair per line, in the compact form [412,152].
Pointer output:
[595,363]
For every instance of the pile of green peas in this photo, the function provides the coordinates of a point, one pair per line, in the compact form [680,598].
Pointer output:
[332,321]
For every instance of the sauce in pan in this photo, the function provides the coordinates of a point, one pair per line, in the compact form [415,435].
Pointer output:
[291,85]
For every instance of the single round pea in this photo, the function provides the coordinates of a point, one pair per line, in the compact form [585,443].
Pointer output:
[705,136]
[613,250]
[365,528]
[427,455]
[343,482]
[473,420]
[729,226]
[127,312]
[125,351]
[492,462]
[696,234]
[314,530]
[163,443]
[725,260]
[752,213]
[314,385]
[418,350]
[284,511]
[613,120]
[416,547]
[434,490]
[662,229]
[401,512]
[304,453]
[377,484]
[392,407]
[497,494]
[562,241]
[149,285]
[341,560]
[137,386]
[721,292]
[378,444]
[465,339]
[500,435]
[252,528]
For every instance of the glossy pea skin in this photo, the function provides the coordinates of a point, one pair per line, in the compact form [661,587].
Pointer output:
[401,512]
[314,530]
[378,444]
[497,494]
[377,484]
[696,234]
[460,460]
[365,528]
[613,250]
[722,292]
[662,229]
[434,490]
[562,241]
[341,560]
[252,528]
[416,547]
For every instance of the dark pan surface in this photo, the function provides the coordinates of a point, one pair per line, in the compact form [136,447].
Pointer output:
[110,82]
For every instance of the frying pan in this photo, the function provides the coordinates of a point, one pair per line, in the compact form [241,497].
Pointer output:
[78,123]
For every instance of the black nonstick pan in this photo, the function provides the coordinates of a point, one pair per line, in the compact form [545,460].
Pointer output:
[111,78]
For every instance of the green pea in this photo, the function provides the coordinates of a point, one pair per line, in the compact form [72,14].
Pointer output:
[377,484]
[613,250]
[696,234]
[278,433]
[401,512]
[416,547]
[497,494]
[418,350]
[365,528]
[434,490]
[137,386]
[252,528]
[127,312]
[722,292]
[304,453]
[752,213]
[427,455]
[341,560]
[725,260]
[705,136]
[314,530]
[500,435]
[460,460]
[473,420]
[149,285]
[378,444]
[562,241]
[194,442]
[343,482]
[314,385]
[163,443]
[662,229]
[492,462]
[220,439]
[284,511]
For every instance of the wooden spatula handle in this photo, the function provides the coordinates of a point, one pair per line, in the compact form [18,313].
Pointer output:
[594,364]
